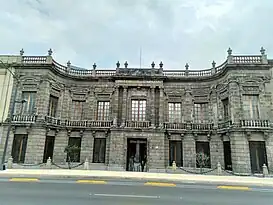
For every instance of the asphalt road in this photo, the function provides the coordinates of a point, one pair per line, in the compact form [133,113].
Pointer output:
[62,192]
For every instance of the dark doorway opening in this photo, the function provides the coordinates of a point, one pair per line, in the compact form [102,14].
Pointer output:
[227,155]
[49,148]
[202,154]
[258,156]
[175,153]
[136,155]
[19,147]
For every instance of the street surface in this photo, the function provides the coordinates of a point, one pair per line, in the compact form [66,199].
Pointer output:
[27,191]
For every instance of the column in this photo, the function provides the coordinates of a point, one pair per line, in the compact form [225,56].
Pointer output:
[161,107]
[235,102]
[152,100]
[42,99]
[115,105]
[124,107]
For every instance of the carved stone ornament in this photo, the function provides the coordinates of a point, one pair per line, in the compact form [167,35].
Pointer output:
[94,134]
[251,89]
[79,97]
[55,92]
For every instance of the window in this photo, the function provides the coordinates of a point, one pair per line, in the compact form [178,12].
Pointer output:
[73,149]
[174,112]
[77,109]
[29,105]
[138,110]
[251,106]
[200,112]
[103,110]
[225,109]
[99,150]
[53,104]
[19,148]
[175,148]
[202,154]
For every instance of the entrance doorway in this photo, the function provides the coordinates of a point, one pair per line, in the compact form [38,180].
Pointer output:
[136,155]
[227,155]
[257,156]
[49,148]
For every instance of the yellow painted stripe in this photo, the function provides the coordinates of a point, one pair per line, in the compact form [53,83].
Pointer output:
[242,188]
[85,181]
[160,184]
[24,180]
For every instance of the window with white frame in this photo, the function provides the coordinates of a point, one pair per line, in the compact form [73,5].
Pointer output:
[138,110]
[174,112]
[251,106]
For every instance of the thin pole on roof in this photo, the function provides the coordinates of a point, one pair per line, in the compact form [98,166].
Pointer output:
[140,56]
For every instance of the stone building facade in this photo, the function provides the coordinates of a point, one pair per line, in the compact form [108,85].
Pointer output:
[151,114]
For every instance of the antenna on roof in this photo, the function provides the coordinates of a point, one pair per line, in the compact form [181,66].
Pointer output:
[140,55]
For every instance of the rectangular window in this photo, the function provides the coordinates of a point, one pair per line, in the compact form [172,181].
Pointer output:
[73,149]
[19,148]
[176,154]
[251,106]
[174,112]
[29,105]
[53,104]
[77,109]
[200,111]
[103,110]
[99,150]
[202,154]
[225,109]
[138,110]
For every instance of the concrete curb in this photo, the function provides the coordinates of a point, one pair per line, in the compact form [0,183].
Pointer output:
[159,177]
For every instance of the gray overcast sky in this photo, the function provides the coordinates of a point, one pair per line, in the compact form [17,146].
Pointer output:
[104,31]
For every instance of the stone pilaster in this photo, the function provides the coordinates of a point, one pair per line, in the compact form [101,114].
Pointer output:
[115,99]
[61,141]
[87,146]
[117,150]
[216,151]
[235,102]
[35,145]
[42,99]
[161,107]
[124,108]
[156,158]
[189,151]
[240,152]
[152,104]
[66,104]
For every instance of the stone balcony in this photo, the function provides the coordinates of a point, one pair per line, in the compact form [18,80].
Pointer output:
[24,119]
[138,124]
[78,123]
[255,123]
[188,126]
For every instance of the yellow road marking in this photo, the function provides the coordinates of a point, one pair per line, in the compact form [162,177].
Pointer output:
[86,181]
[242,188]
[24,180]
[160,184]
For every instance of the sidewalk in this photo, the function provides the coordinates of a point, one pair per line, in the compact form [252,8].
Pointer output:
[178,178]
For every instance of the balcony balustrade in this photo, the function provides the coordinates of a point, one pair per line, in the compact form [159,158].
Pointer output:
[24,118]
[188,126]
[138,124]
[255,123]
